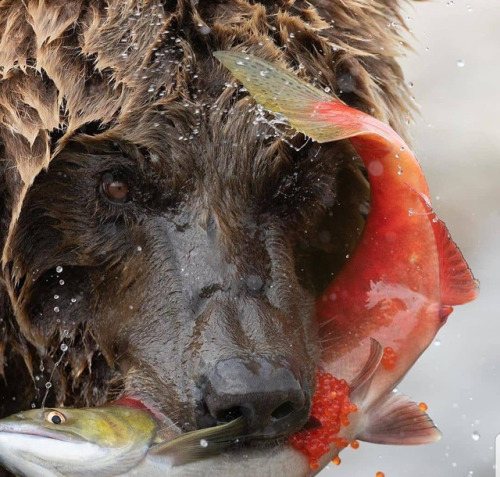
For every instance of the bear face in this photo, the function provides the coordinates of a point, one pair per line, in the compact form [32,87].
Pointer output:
[185,234]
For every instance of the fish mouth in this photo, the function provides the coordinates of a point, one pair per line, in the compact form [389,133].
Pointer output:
[33,430]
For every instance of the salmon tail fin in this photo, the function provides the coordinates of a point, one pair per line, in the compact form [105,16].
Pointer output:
[397,420]
[458,285]
[308,109]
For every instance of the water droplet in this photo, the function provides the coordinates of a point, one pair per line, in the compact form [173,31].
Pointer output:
[410,84]
[203,443]
[400,170]
[410,212]
[73,300]
[327,89]
[292,35]
[56,309]
[460,63]
[59,269]
[264,72]
[61,282]
[33,405]
[139,248]
[437,342]
[64,347]
[376,168]
[151,89]
[56,297]
[476,436]
[48,385]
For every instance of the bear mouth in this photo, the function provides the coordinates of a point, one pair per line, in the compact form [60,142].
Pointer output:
[169,431]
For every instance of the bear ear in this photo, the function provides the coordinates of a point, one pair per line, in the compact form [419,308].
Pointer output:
[337,233]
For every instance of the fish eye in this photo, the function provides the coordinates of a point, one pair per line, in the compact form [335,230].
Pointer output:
[56,417]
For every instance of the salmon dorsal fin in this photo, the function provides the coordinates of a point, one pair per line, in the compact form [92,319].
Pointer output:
[457,283]
[362,381]
[397,420]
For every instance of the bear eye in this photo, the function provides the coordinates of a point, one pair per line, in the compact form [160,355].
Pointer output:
[115,188]
[56,417]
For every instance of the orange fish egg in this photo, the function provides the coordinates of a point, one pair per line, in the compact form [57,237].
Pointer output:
[379,474]
[330,408]
[355,444]
[389,358]
[422,406]
[313,463]
[336,460]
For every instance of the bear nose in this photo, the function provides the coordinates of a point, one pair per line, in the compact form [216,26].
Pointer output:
[269,396]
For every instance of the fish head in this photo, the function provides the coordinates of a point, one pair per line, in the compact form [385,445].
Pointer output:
[50,442]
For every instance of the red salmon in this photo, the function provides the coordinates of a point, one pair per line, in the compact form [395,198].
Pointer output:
[406,273]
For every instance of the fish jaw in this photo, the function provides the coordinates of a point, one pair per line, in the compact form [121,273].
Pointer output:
[38,456]
[17,425]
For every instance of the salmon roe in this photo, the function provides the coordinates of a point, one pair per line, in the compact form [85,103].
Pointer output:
[422,406]
[331,408]
[379,474]
[389,358]
[355,444]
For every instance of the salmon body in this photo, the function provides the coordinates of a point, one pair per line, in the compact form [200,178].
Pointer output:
[404,276]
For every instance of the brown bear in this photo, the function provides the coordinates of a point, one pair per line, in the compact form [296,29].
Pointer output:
[161,237]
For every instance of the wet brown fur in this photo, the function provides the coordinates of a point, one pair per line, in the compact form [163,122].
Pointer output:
[136,78]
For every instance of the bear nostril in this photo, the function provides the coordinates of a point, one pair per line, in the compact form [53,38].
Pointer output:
[229,415]
[267,394]
[283,410]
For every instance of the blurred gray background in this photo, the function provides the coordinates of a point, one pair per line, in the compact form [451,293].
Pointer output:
[455,73]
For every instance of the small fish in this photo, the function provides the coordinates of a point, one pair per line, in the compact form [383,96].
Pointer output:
[112,440]
[404,276]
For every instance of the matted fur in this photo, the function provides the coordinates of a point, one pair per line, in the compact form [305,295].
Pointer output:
[128,67]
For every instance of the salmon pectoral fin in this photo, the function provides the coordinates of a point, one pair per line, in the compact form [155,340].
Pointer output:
[361,383]
[190,447]
[458,285]
[397,420]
